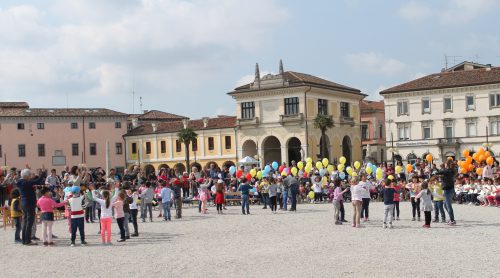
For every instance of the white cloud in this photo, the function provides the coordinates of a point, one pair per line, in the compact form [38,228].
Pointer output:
[90,48]
[463,11]
[375,64]
[414,11]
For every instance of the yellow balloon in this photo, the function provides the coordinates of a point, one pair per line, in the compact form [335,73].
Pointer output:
[379,176]
[329,168]
[309,160]
[325,162]
[284,173]
[354,174]
[349,170]
[319,165]
[300,164]
[368,170]
[379,170]
[340,167]
[259,175]
[357,165]
[311,195]
[325,180]
[309,164]
[398,169]
[342,160]
[253,172]
[391,177]
[294,171]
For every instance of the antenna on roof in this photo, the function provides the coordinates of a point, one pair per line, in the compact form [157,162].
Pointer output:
[140,104]
[133,101]
[446,57]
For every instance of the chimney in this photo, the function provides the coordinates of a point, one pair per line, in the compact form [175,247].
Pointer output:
[185,123]
[205,121]
[135,122]
[281,67]
[153,125]
[257,76]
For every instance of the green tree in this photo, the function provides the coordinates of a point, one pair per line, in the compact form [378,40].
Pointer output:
[323,123]
[186,136]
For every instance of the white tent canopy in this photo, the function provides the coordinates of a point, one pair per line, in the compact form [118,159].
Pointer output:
[247,160]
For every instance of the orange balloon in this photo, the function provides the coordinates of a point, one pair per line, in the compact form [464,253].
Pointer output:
[482,157]
[489,160]
[409,168]
[450,158]
[459,163]
[480,151]
[479,171]
[428,158]
[468,160]
[466,153]
[464,170]
[475,156]
[470,167]
[487,154]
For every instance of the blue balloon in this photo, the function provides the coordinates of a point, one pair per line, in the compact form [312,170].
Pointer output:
[67,190]
[275,165]
[374,169]
[267,168]
[232,170]
[75,189]
[369,165]
[342,175]
[322,171]
[264,173]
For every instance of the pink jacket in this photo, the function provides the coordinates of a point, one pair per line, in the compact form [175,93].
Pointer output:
[47,204]
[118,205]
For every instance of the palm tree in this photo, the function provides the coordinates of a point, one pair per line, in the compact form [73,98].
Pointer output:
[186,136]
[323,123]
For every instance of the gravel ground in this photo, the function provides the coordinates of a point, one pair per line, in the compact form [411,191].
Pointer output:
[286,244]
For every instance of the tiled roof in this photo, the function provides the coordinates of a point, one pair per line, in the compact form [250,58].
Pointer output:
[14,105]
[167,127]
[451,79]
[58,112]
[367,105]
[159,115]
[298,79]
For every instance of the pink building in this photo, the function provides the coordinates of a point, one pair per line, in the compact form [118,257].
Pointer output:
[373,130]
[59,137]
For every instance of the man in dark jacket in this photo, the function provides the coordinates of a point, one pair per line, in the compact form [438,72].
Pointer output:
[26,186]
[293,183]
[177,187]
[448,178]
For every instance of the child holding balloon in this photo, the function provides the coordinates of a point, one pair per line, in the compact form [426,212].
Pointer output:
[414,188]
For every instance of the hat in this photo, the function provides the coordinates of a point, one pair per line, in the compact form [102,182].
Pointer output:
[220,181]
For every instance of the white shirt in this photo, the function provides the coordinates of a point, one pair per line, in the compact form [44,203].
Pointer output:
[365,186]
[356,192]
[106,212]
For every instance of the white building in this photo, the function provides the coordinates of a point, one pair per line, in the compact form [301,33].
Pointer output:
[444,113]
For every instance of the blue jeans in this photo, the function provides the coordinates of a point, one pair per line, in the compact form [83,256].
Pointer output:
[294,199]
[17,233]
[448,200]
[285,198]
[439,208]
[77,223]
[245,203]
[166,210]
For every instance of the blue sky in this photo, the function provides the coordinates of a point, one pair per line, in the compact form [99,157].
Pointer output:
[184,56]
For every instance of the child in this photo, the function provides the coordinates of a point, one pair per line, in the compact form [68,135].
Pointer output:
[388,193]
[438,196]
[273,191]
[397,198]
[414,188]
[204,195]
[219,195]
[356,197]
[425,195]
[47,205]
[106,212]
[76,204]
[16,213]
[120,214]
[338,198]
[134,209]
[147,196]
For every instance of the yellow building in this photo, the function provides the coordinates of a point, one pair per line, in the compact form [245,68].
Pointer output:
[155,145]
[275,116]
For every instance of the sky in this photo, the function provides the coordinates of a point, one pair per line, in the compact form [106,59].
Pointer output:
[183,57]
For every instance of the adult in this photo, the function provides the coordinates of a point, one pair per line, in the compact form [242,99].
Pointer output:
[177,188]
[448,174]
[294,190]
[365,196]
[26,186]
[356,197]
[245,192]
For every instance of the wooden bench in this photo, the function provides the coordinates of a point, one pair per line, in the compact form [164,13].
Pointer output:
[232,197]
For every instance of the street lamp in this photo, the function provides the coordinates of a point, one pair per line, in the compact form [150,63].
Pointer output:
[488,144]
[393,150]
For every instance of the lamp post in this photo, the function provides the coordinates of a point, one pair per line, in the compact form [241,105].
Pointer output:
[487,145]
[393,150]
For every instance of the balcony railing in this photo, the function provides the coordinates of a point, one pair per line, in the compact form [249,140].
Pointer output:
[448,141]
[291,118]
[346,120]
[251,121]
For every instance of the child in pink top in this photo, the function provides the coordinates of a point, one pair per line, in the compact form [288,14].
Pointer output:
[119,214]
[47,205]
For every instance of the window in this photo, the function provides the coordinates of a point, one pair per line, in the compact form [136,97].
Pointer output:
[118,148]
[148,147]
[291,106]
[21,150]
[20,126]
[469,102]
[344,109]
[403,107]
[494,126]
[74,125]
[91,125]
[471,127]
[426,130]
[163,146]
[41,150]
[494,100]
[381,131]
[211,146]
[404,131]
[177,146]
[426,105]
[118,124]
[227,140]
[75,151]
[247,110]
[1,151]
[93,149]
[194,145]
[40,126]
[323,106]
[134,148]
[364,132]
[448,129]
[448,104]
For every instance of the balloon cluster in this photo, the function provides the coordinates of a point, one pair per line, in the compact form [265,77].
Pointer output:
[467,165]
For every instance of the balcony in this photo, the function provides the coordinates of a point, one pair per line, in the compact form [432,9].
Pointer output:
[448,141]
[248,122]
[346,120]
[295,118]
